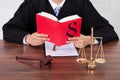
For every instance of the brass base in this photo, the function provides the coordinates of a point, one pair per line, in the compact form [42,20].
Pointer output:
[91,64]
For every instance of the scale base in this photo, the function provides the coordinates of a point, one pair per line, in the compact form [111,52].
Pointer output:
[91,65]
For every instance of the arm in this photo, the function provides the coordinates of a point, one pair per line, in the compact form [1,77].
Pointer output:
[21,24]
[91,18]
[102,28]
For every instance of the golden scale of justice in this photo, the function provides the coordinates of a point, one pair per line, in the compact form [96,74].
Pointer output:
[99,58]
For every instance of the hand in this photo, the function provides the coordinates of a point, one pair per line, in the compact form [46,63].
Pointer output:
[80,42]
[36,39]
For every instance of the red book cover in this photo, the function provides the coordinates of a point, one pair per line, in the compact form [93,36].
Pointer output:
[58,30]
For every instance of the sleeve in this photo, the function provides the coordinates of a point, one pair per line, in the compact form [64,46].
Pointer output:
[102,28]
[20,25]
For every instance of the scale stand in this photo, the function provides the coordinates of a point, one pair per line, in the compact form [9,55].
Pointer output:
[99,58]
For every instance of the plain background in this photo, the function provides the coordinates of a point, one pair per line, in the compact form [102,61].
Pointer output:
[107,8]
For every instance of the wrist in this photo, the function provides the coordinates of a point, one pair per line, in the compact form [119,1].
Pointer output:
[27,38]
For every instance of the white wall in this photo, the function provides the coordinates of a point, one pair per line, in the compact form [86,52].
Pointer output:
[107,8]
[7,10]
[110,10]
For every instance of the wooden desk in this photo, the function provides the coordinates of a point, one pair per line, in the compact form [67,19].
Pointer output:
[63,68]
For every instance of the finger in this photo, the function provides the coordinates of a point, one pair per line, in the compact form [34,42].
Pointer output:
[79,44]
[69,42]
[73,39]
[81,35]
[43,39]
[36,43]
[40,35]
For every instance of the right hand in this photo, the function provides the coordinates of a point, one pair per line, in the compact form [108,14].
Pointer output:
[36,39]
[80,42]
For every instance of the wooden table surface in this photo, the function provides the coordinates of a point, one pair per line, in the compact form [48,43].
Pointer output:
[63,68]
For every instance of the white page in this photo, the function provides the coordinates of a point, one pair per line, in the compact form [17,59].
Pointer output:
[65,50]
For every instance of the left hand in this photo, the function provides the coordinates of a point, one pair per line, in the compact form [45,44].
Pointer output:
[80,42]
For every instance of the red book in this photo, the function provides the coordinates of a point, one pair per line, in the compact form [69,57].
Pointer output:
[58,30]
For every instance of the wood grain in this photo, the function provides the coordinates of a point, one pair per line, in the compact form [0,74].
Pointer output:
[63,68]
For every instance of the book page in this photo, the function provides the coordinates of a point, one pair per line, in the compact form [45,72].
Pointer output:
[68,18]
[65,50]
[50,16]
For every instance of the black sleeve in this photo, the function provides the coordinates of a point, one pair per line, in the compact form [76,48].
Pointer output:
[102,28]
[21,23]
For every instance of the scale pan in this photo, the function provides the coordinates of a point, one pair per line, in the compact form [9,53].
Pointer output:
[81,60]
[99,60]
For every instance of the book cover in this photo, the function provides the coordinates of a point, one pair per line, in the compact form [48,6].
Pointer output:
[58,30]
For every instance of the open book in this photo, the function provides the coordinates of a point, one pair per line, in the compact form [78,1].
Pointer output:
[58,30]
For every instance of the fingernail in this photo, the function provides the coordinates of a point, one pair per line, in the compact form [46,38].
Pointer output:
[49,39]
[46,35]
[67,41]
[69,38]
